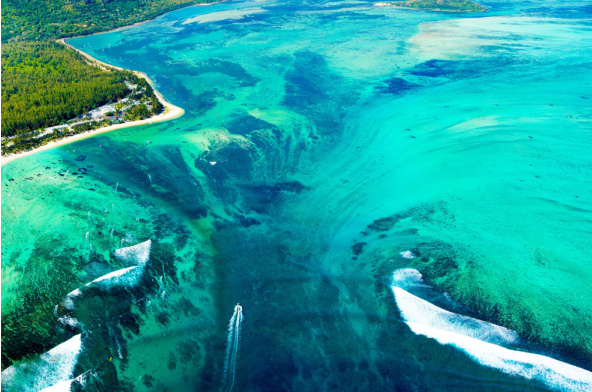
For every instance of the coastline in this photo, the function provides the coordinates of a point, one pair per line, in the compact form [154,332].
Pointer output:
[170,111]
[385,4]
[139,23]
[165,116]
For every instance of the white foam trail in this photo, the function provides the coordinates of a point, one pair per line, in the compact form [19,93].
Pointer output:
[66,386]
[53,367]
[232,347]
[69,300]
[74,293]
[71,321]
[481,340]
[407,254]
[555,374]
[137,254]
[416,310]
[407,277]
[119,276]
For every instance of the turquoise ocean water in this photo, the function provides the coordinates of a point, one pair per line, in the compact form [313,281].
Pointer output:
[398,200]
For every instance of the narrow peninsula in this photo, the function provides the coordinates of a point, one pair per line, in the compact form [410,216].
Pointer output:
[437,5]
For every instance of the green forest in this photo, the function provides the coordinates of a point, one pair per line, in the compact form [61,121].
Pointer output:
[442,5]
[44,83]
[52,19]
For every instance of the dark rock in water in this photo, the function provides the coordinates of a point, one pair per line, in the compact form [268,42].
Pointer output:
[450,68]
[259,197]
[74,174]
[80,177]
[396,86]
[247,124]
[246,221]
[12,179]
[90,166]
[229,161]
[163,318]
[148,380]
[357,248]
[384,224]
[91,189]
[411,231]
[80,158]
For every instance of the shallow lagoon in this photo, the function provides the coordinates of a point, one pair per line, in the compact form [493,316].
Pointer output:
[319,142]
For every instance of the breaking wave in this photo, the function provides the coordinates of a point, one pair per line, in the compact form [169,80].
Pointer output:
[482,341]
[51,368]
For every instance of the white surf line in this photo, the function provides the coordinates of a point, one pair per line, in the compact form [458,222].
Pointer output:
[53,367]
[137,254]
[115,276]
[66,386]
[481,340]
[232,347]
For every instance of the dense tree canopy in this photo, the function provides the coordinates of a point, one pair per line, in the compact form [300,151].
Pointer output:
[43,19]
[46,83]
[442,5]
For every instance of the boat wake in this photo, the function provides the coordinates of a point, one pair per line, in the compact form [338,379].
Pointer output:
[232,347]
[481,341]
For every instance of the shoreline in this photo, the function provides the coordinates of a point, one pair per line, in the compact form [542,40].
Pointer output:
[385,4]
[139,23]
[170,111]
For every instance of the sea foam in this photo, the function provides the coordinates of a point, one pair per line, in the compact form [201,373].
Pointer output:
[137,256]
[49,369]
[481,340]
[416,310]
[555,374]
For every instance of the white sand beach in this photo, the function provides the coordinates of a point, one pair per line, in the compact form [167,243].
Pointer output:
[170,112]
